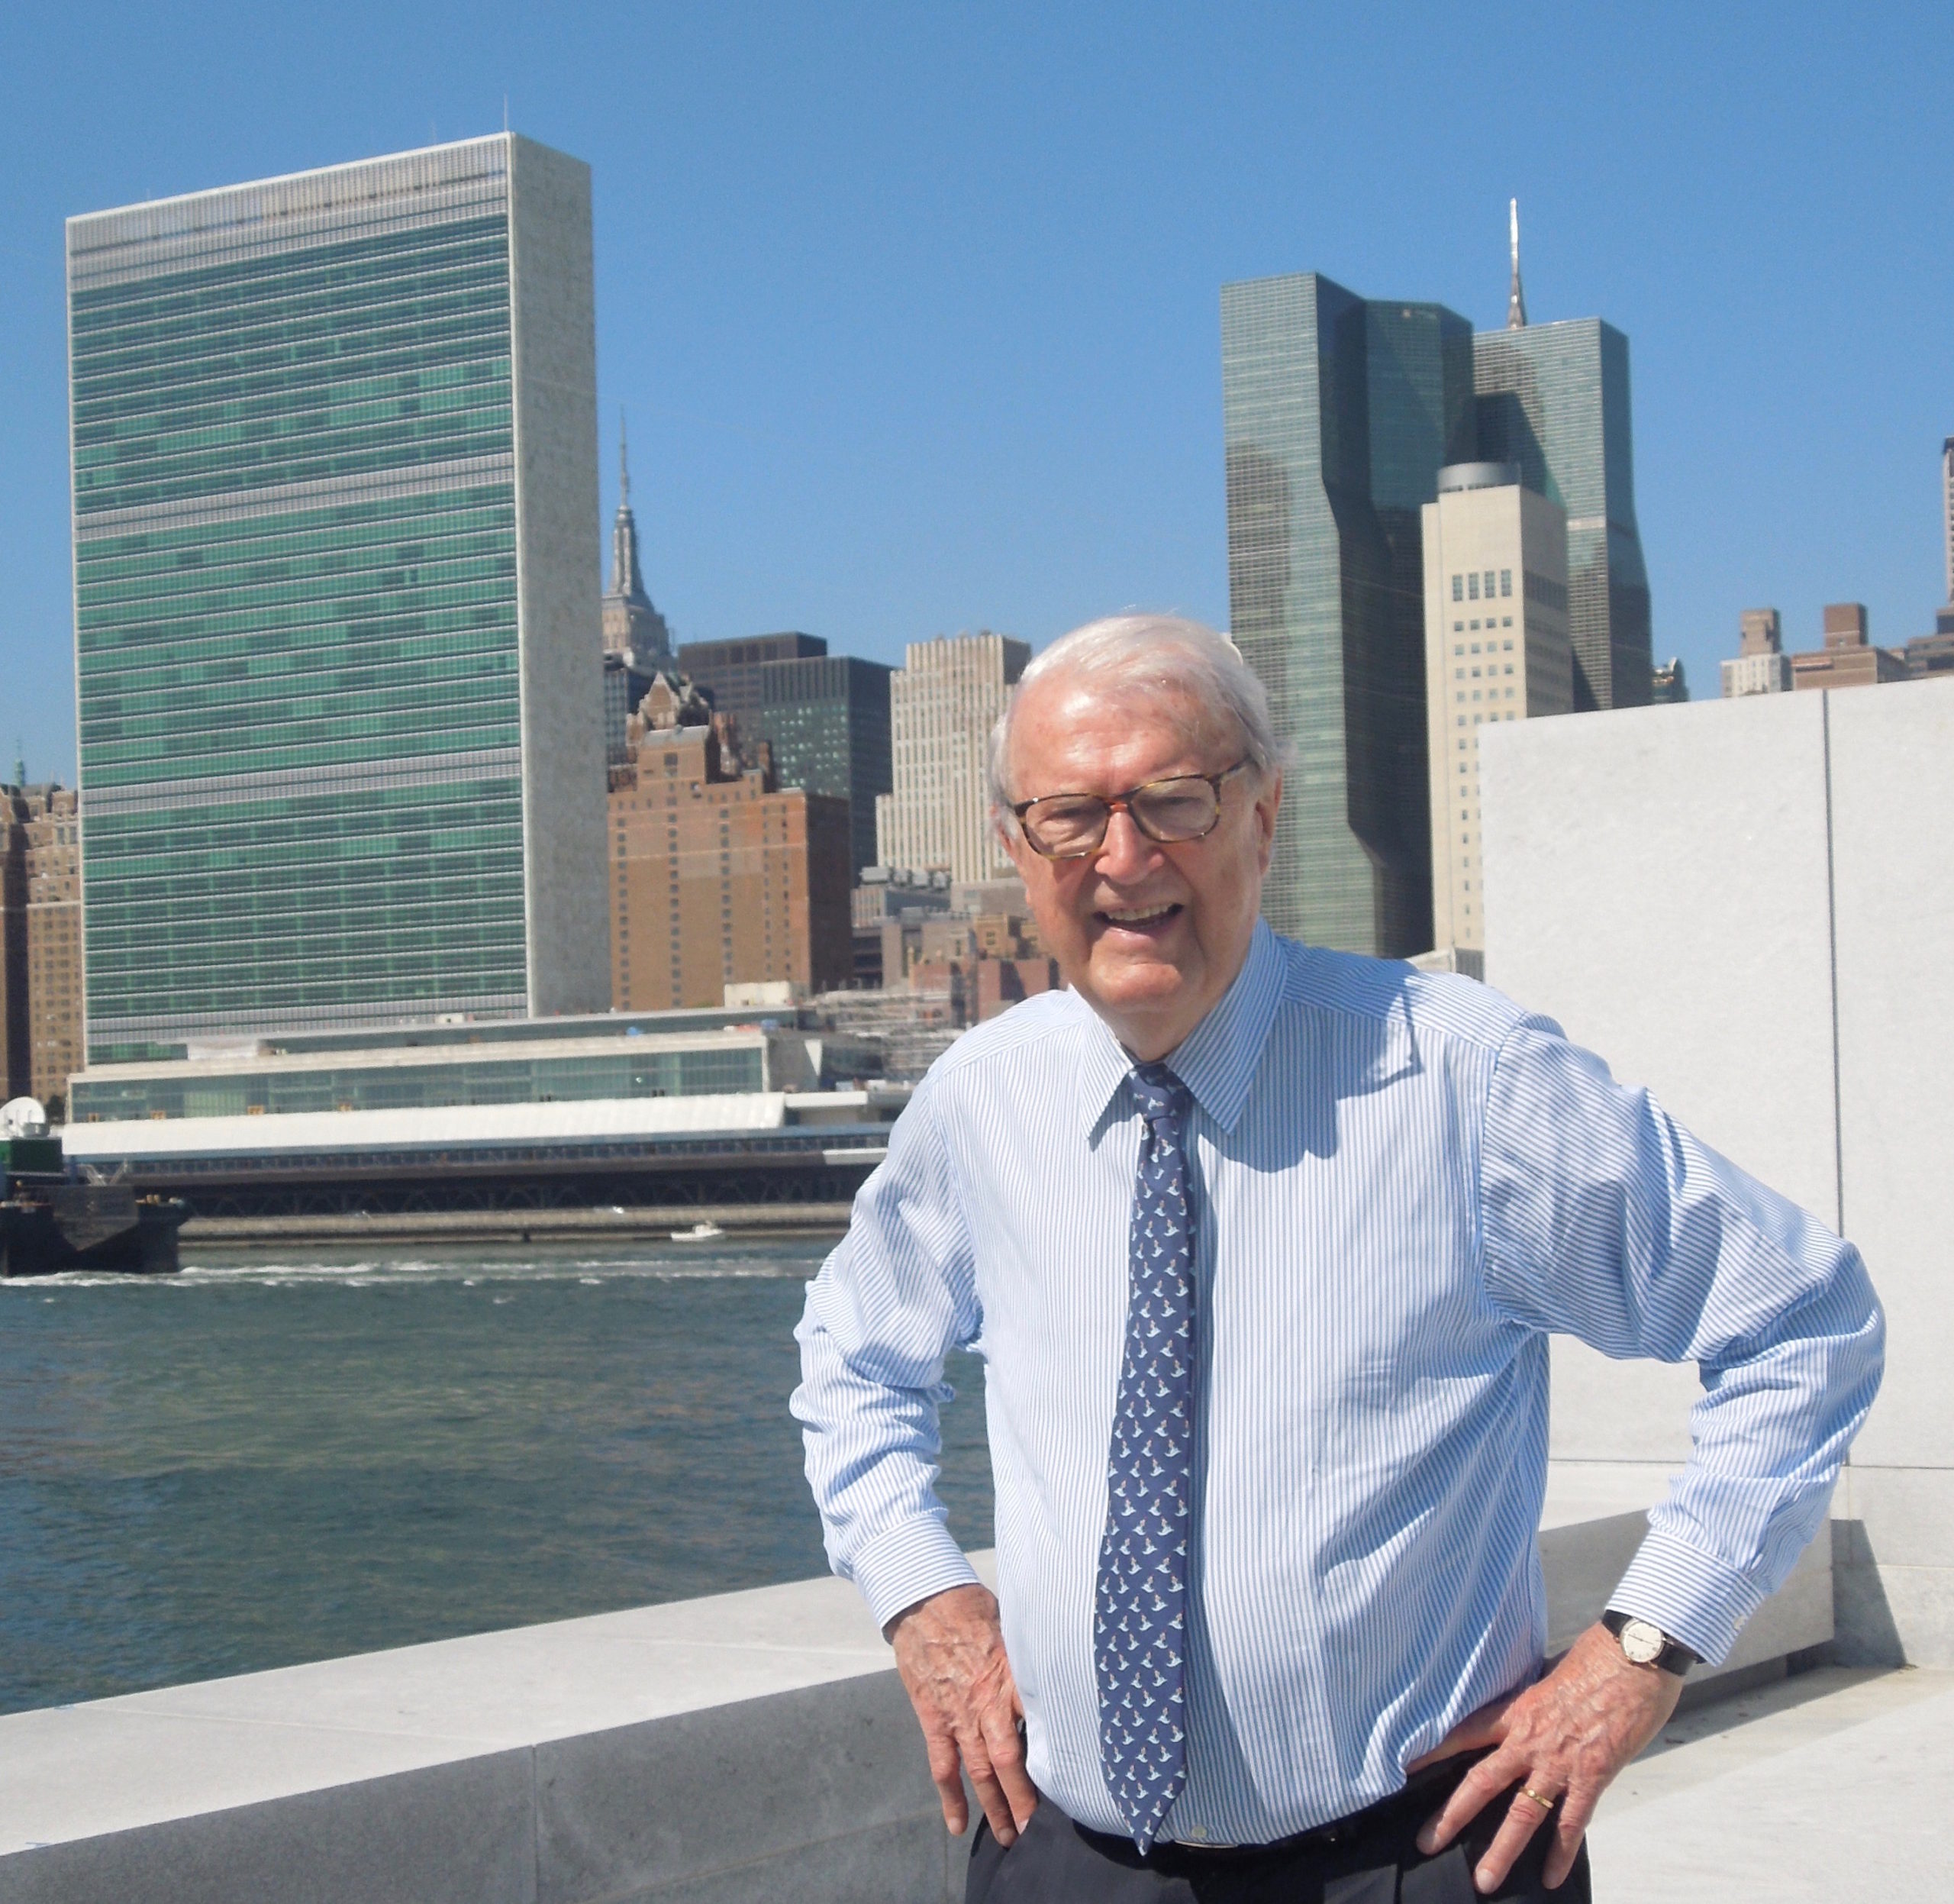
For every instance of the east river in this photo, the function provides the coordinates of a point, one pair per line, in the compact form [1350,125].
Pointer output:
[255,1463]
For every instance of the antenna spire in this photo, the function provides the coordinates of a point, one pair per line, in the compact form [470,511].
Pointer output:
[1516,304]
[624,463]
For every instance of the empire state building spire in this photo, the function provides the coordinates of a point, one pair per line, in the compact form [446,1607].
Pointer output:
[631,624]
[626,577]
[1516,304]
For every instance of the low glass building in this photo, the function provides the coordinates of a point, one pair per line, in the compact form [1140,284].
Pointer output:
[665,1055]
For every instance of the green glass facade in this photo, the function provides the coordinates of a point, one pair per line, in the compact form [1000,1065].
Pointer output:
[1338,413]
[301,636]
[827,719]
[1554,399]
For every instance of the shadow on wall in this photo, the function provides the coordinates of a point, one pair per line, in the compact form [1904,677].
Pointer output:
[1866,1633]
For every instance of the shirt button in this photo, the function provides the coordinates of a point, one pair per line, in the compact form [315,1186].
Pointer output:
[1198,1833]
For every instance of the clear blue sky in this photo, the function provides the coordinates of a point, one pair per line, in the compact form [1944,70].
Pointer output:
[914,307]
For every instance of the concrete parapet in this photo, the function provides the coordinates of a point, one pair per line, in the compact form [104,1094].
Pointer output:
[749,1745]
[1745,906]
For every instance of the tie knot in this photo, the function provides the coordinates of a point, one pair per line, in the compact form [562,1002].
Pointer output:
[1162,1095]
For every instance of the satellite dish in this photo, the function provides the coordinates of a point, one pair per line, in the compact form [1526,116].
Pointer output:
[23,1117]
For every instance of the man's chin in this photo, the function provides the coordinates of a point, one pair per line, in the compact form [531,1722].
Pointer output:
[1134,983]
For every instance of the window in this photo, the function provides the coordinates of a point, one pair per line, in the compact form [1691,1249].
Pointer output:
[1458,588]
[1506,582]
[1472,587]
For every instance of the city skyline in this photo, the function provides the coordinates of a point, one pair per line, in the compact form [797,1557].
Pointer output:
[990,399]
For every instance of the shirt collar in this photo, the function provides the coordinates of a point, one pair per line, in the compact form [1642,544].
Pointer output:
[1217,1060]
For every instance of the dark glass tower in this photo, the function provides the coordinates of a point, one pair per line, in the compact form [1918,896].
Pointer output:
[1554,399]
[730,671]
[828,718]
[1338,414]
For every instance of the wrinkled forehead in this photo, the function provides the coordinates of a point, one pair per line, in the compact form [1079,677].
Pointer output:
[1063,722]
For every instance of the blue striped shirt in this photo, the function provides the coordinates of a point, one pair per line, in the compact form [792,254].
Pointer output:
[1402,1184]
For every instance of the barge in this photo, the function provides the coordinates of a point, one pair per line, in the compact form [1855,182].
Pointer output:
[50,1222]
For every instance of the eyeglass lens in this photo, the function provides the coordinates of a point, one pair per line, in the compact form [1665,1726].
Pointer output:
[1167,810]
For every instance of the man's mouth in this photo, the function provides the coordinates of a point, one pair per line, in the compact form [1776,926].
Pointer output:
[1139,918]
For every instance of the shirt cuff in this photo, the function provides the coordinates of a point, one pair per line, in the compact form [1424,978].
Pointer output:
[1692,1596]
[907,1562]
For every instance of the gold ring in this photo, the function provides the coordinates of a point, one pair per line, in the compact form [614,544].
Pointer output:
[1539,1797]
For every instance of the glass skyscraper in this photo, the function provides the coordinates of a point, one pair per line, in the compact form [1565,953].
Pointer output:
[1554,399]
[1338,414]
[730,671]
[336,615]
[827,719]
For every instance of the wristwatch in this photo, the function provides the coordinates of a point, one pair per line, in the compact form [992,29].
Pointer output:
[1643,1643]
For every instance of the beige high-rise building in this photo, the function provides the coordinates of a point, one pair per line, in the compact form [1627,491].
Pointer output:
[1848,660]
[943,701]
[1497,648]
[1762,666]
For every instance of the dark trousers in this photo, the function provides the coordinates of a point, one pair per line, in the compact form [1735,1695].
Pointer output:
[1369,1857]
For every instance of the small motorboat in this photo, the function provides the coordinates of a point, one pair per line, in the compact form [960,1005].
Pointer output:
[699,1233]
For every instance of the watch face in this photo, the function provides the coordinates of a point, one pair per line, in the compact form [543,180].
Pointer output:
[1641,1642]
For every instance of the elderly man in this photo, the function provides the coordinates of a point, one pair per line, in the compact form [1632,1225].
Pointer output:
[1262,1245]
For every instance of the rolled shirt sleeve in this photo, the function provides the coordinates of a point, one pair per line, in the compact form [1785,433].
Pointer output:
[896,1295]
[1604,1219]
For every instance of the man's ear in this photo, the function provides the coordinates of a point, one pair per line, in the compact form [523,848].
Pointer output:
[1268,804]
[1012,839]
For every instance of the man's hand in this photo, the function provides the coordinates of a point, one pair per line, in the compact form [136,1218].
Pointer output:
[1564,1739]
[949,1650]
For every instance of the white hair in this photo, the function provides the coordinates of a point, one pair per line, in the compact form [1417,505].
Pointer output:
[1165,656]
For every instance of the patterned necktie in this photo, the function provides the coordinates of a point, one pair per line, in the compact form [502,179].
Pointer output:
[1140,1628]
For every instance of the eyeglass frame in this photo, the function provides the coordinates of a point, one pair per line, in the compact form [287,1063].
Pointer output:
[1115,802]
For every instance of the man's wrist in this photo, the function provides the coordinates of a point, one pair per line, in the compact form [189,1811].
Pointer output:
[906,1564]
[1644,1643]
[916,1606]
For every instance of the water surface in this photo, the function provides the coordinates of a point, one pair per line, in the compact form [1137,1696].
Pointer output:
[258,1462]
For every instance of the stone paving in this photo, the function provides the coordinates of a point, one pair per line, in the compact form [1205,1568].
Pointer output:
[1837,1785]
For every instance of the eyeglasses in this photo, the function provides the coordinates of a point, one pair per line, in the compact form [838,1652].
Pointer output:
[1069,826]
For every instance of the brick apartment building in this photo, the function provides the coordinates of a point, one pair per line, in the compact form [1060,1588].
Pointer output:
[40,942]
[717,876]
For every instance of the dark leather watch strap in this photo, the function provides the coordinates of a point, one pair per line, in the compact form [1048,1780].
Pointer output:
[1674,1657]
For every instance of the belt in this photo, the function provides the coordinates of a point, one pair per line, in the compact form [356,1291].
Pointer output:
[1418,1791]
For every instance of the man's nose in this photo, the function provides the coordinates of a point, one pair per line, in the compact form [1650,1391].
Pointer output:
[1126,852]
